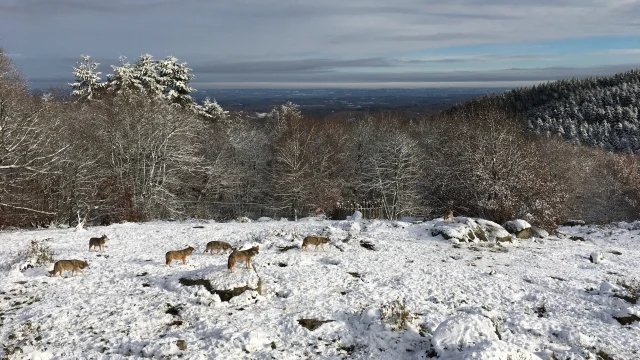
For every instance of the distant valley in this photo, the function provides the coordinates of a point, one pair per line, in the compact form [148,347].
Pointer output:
[329,102]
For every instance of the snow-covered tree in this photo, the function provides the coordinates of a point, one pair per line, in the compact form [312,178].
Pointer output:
[290,172]
[146,72]
[32,147]
[87,79]
[123,78]
[213,110]
[280,115]
[175,78]
[392,172]
[9,73]
[47,97]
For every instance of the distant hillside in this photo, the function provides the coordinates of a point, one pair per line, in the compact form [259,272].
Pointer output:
[597,111]
[331,103]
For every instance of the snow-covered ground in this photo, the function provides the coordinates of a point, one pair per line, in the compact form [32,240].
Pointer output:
[520,300]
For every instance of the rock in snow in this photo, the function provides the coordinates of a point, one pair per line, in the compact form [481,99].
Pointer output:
[515,226]
[596,257]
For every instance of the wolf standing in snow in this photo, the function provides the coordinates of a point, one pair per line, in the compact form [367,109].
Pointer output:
[98,242]
[448,216]
[315,240]
[73,265]
[242,255]
[179,254]
[218,246]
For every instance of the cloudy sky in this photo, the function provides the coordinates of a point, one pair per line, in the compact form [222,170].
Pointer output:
[329,43]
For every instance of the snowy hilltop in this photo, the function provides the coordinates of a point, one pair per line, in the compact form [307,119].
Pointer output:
[381,289]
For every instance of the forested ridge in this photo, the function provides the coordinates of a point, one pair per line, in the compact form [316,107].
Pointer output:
[595,111]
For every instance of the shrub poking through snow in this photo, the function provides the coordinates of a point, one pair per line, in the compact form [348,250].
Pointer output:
[632,287]
[397,315]
[37,254]
[23,338]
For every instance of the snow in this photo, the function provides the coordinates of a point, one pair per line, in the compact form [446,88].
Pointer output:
[539,232]
[357,215]
[28,352]
[470,301]
[474,336]
[463,331]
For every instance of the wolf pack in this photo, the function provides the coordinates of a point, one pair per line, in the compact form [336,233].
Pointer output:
[236,255]
[220,247]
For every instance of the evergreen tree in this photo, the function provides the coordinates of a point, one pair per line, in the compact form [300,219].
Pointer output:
[146,72]
[580,109]
[175,78]
[212,110]
[123,78]
[87,79]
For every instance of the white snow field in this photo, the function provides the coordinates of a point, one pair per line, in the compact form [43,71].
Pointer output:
[529,299]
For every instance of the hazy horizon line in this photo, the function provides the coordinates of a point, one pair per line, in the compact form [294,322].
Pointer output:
[319,85]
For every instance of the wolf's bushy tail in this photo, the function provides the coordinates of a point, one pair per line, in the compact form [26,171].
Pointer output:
[232,260]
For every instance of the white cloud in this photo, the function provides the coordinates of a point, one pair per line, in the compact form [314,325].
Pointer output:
[262,31]
[619,52]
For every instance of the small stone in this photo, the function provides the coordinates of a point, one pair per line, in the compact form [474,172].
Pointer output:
[182,345]
[596,257]
[312,324]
